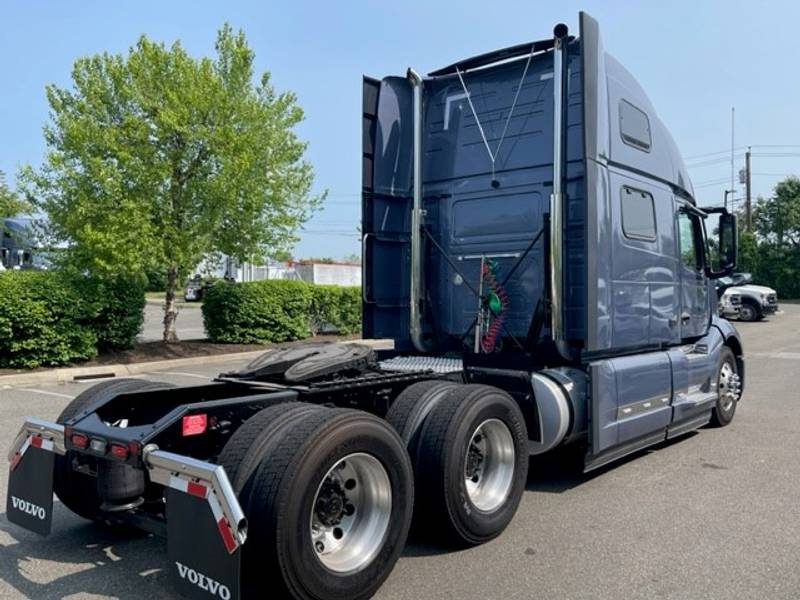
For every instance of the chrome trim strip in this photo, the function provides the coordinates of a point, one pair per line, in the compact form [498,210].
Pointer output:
[642,406]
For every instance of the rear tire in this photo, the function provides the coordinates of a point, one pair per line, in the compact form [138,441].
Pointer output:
[298,485]
[728,388]
[256,439]
[412,407]
[78,491]
[471,465]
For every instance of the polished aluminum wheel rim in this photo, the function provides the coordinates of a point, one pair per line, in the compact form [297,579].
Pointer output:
[489,465]
[729,386]
[351,512]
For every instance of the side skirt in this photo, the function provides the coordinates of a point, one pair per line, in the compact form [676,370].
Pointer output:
[677,429]
[593,462]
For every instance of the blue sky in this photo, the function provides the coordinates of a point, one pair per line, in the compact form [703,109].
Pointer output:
[695,60]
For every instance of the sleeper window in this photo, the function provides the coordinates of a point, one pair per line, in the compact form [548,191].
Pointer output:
[634,126]
[638,214]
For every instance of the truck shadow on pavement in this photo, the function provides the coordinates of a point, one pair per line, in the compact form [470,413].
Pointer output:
[81,558]
[562,469]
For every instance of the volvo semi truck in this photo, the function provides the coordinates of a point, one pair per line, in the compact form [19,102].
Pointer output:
[534,248]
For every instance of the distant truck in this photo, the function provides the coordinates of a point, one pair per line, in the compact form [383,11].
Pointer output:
[16,247]
[755,301]
[532,245]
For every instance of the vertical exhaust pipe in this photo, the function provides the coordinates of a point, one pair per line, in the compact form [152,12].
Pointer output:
[416,291]
[557,197]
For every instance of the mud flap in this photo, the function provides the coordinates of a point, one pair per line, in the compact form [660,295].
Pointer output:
[201,564]
[30,489]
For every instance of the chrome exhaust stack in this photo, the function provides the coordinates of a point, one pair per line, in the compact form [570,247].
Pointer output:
[416,291]
[560,61]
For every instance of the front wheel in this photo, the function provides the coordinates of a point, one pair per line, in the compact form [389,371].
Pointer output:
[748,312]
[729,389]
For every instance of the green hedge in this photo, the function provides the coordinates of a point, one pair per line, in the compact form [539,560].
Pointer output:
[49,319]
[278,311]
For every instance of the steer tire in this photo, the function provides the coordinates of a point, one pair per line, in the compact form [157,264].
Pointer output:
[410,409]
[78,491]
[451,513]
[280,558]
[750,311]
[256,438]
[725,408]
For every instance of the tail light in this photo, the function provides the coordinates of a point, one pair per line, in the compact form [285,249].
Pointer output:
[194,424]
[80,441]
[120,451]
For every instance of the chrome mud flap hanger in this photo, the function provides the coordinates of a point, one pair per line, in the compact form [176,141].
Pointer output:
[205,525]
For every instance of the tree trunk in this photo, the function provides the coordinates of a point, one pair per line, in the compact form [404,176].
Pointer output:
[170,310]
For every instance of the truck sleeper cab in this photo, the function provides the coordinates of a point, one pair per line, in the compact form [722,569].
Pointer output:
[532,246]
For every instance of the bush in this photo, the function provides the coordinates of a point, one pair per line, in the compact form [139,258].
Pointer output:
[337,306]
[44,320]
[49,318]
[119,311]
[257,312]
[278,311]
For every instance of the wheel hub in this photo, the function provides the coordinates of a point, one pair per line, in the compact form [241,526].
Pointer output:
[730,386]
[350,514]
[489,465]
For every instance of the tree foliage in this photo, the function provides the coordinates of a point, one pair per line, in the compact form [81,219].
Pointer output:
[10,202]
[771,252]
[156,158]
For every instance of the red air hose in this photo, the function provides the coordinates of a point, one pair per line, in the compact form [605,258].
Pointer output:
[495,329]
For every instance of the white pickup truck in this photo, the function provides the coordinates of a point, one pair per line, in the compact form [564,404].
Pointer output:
[757,301]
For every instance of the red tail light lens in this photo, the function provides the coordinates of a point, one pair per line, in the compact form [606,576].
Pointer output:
[120,451]
[80,441]
[194,424]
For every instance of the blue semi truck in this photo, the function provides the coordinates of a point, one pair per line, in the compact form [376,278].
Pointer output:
[532,245]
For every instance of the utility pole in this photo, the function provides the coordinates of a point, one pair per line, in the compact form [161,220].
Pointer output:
[748,207]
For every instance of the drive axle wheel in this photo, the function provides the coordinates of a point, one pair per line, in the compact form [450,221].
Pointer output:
[350,513]
[729,389]
[329,508]
[471,465]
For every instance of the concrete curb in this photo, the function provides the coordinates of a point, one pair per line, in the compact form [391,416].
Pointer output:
[70,373]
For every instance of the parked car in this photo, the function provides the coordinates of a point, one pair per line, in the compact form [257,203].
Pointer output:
[195,289]
[757,301]
[729,304]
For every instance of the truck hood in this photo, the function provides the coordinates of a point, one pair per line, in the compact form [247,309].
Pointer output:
[744,289]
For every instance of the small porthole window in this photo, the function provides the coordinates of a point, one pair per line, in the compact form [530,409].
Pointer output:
[638,214]
[634,126]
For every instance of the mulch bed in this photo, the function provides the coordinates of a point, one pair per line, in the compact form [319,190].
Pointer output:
[152,351]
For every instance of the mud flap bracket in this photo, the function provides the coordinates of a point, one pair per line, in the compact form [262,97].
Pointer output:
[29,503]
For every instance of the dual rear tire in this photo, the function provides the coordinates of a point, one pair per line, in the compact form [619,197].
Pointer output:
[468,447]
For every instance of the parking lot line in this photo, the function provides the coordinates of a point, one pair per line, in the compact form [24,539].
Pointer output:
[46,393]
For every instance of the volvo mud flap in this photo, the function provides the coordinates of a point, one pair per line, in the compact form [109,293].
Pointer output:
[30,481]
[205,525]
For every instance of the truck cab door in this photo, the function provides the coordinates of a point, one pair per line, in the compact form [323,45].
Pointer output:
[694,306]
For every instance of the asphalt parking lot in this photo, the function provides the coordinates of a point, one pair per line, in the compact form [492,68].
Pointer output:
[714,514]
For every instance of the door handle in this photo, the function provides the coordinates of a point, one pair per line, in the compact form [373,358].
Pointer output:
[685,317]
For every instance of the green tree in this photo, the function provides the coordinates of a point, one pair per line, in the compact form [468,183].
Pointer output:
[777,219]
[157,159]
[10,202]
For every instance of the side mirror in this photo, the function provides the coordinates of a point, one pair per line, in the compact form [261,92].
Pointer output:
[723,258]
